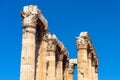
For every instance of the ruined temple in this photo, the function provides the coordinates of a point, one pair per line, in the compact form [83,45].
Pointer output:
[44,57]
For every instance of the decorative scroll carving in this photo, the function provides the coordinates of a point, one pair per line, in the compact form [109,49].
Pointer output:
[72,63]
[30,16]
[52,42]
[82,43]
[71,68]
[51,45]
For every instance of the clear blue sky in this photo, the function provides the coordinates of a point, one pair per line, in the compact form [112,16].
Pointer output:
[66,18]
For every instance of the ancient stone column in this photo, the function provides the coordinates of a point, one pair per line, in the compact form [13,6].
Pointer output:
[93,67]
[93,73]
[82,47]
[96,70]
[59,68]
[29,21]
[70,71]
[41,59]
[51,58]
[66,65]
[89,67]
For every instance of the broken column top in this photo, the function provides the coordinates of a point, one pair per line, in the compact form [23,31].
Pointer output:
[84,34]
[31,11]
[84,38]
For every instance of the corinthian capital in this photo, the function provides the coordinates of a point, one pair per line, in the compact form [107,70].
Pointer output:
[71,68]
[29,16]
[82,43]
[52,42]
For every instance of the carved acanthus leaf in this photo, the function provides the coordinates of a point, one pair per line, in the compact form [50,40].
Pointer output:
[29,16]
[71,68]
[82,42]
[52,43]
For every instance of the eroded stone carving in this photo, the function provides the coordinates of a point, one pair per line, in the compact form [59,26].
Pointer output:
[52,42]
[82,42]
[72,63]
[30,16]
[71,68]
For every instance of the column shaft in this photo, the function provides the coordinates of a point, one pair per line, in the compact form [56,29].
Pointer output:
[89,69]
[82,46]
[28,55]
[41,61]
[70,71]
[93,72]
[51,66]
[66,77]
[70,76]
[82,64]
[29,22]
[59,71]
[51,57]
[96,76]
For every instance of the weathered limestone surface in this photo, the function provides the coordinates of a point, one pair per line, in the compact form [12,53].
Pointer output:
[65,73]
[29,15]
[51,59]
[82,45]
[87,58]
[89,67]
[59,68]
[44,57]
[72,63]
[41,62]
